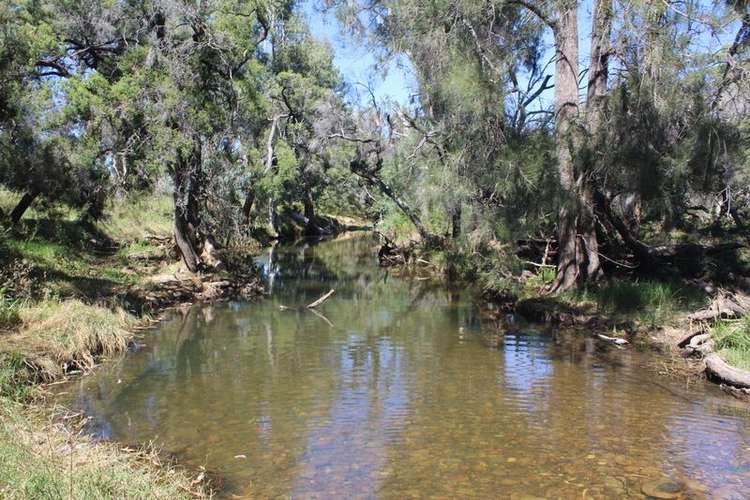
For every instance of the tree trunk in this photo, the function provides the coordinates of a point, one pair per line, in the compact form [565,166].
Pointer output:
[188,193]
[312,227]
[247,207]
[601,30]
[456,222]
[186,241]
[578,257]
[268,164]
[23,204]
[309,206]
[273,218]
[596,95]
[578,254]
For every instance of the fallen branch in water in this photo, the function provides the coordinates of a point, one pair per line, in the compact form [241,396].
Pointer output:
[321,300]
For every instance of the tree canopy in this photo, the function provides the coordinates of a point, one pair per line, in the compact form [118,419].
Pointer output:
[516,134]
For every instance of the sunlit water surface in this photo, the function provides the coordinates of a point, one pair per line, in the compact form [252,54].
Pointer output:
[399,388]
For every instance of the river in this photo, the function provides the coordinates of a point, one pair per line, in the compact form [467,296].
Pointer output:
[398,387]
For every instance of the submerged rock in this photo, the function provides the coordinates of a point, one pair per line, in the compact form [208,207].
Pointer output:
[615,485]
[662,488]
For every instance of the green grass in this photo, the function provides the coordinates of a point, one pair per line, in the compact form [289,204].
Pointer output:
[651,302]
[138,217]
[16,379]
[733,341]
[49,254]
[76,259]
[9,308]
[135,248]
[42,458]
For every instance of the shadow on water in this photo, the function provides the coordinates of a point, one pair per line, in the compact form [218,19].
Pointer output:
[400,388]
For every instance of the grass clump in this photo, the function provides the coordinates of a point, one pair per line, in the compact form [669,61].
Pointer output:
[57,337]
[16,379]
[651,302]
[732,338]
[139,217]
[9,308]
[42,458]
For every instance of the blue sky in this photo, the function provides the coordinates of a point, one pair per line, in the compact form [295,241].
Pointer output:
[396,81]
[357,63]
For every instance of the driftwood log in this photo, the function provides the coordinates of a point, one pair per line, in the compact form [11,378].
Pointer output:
[725,305]
[719,369]
[312,305]
[701,343]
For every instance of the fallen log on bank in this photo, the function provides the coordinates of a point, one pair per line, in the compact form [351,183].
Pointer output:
[720,370]
[726,304]
[702,344]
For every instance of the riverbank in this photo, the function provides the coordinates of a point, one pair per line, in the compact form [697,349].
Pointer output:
[699,326]
[71,296]
[398,386]
[695,336]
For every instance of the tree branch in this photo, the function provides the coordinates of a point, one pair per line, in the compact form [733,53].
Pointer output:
[537,11]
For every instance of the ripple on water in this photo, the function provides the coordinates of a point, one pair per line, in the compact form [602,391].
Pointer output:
[395,394]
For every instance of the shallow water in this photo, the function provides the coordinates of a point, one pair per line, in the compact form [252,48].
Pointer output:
[399,388]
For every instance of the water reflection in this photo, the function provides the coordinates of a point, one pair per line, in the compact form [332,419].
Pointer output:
[393,392]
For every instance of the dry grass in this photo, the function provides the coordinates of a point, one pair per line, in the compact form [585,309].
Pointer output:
[43,457]
[43,337]
[137,218]
[57,337]
[46,455]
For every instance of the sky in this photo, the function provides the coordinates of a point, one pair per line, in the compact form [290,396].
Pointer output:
[396,80]
[357,63]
